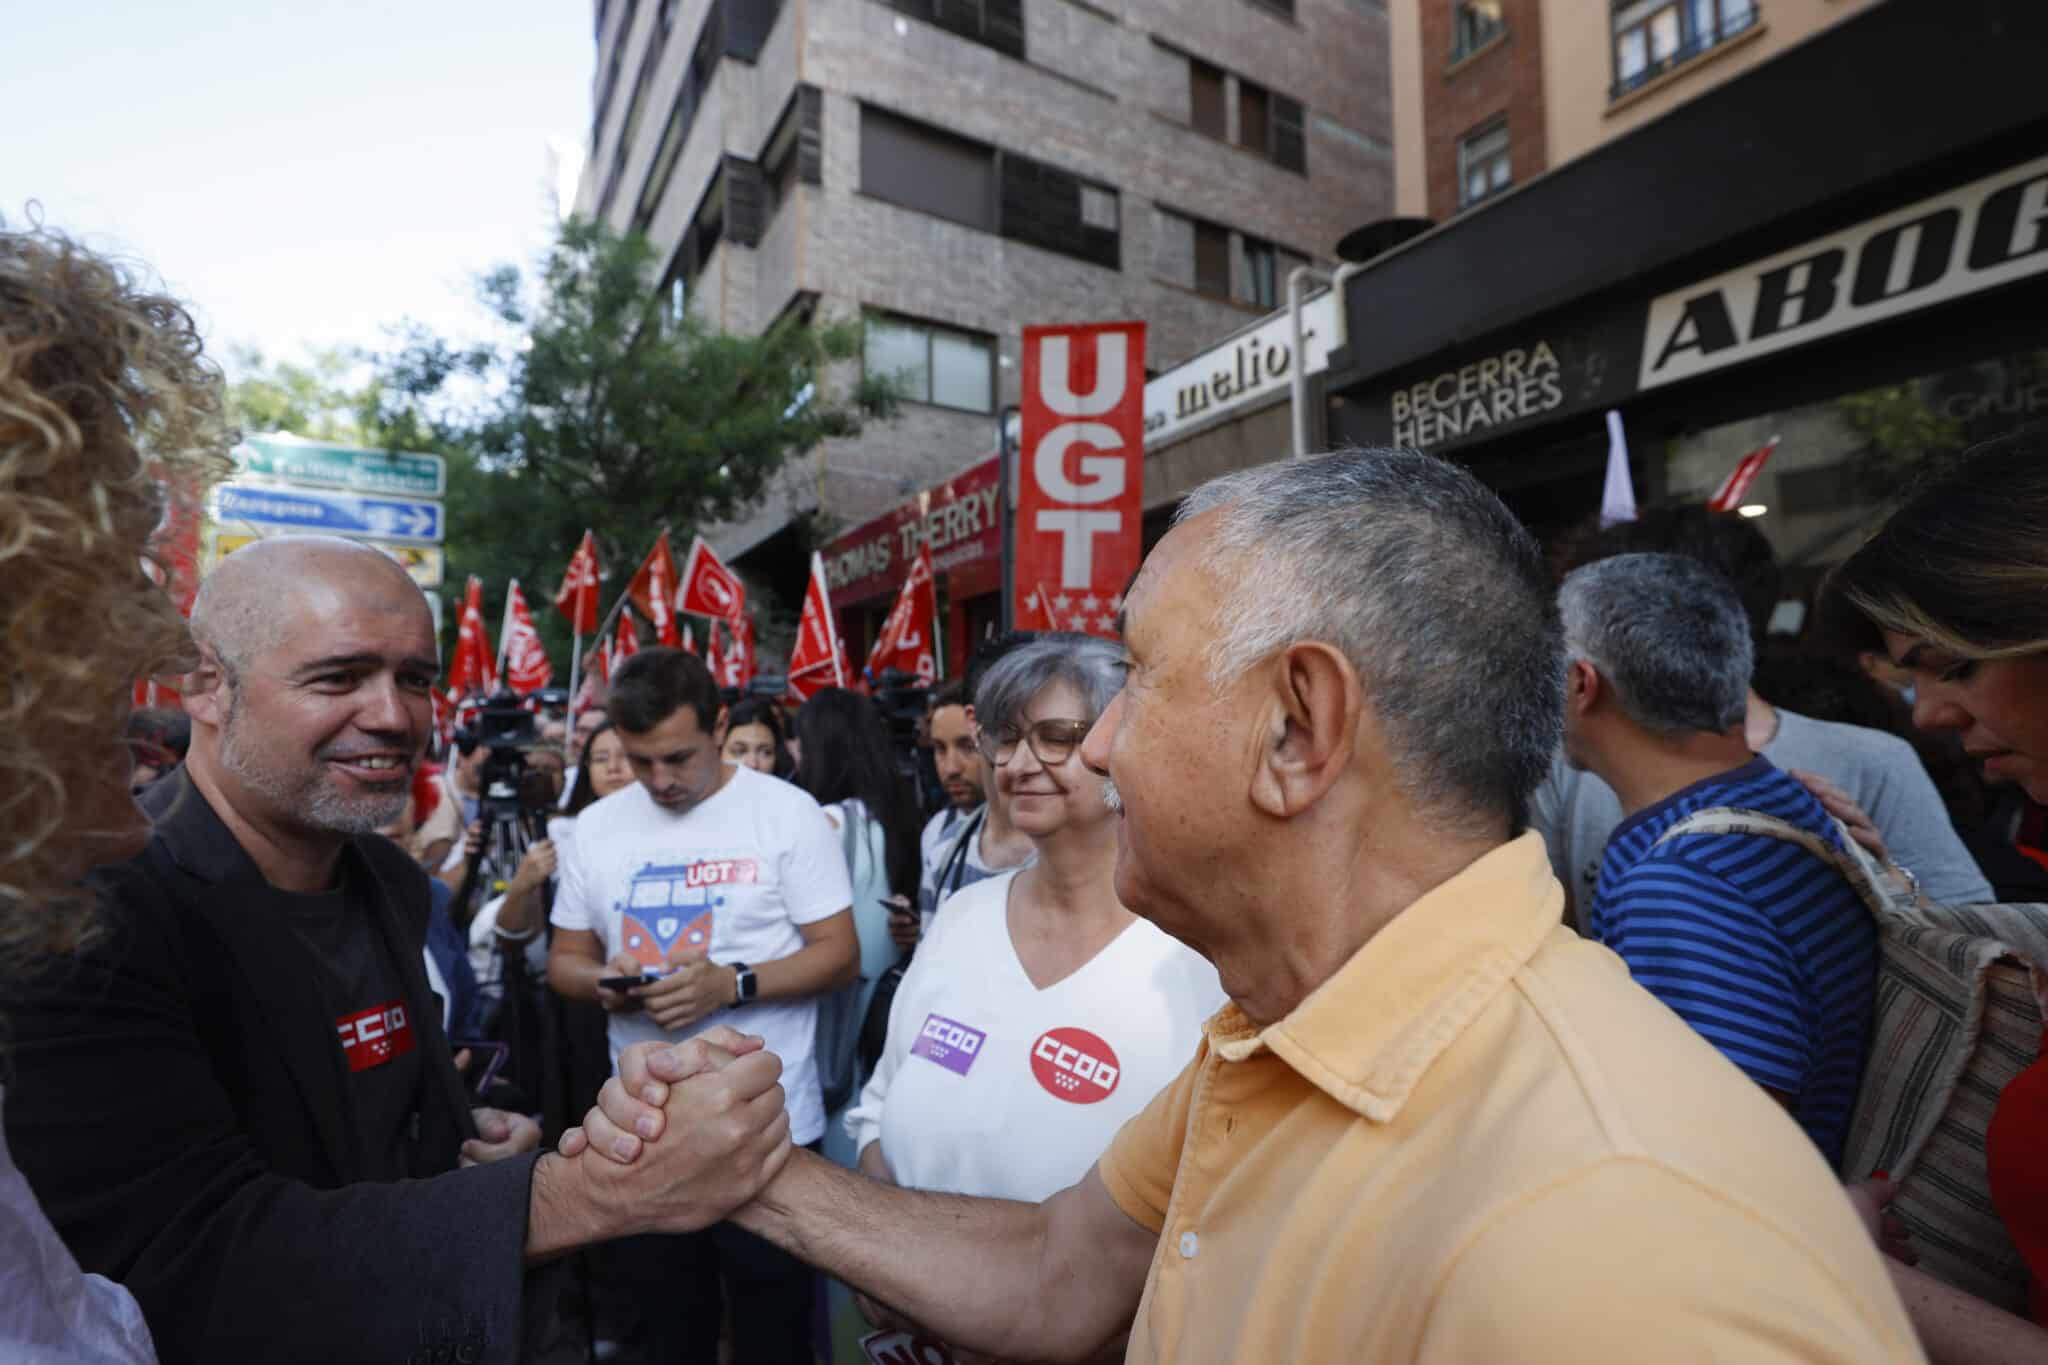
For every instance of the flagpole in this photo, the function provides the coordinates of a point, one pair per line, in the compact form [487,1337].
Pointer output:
[575,663]
[505,628]
[613,614]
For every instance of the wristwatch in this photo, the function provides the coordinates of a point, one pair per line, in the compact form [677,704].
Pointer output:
[745,986]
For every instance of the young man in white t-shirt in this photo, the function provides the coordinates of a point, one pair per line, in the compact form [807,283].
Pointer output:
[727,891]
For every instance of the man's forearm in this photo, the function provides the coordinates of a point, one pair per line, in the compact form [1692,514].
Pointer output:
[575,978]
[521,911]
[968,1270]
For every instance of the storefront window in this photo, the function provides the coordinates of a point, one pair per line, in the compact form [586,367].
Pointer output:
[1840,463]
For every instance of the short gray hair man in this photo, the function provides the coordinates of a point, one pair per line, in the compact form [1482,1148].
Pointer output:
[1670,637]
[1438,599]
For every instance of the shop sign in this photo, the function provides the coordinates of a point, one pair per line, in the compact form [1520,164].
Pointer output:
[1250,367]
[959,517]
[1524,379]
[1987,233]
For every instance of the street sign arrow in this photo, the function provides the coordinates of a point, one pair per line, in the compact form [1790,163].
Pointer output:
[340,513]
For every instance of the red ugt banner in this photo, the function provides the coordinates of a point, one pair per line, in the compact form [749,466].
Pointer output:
[1080,492]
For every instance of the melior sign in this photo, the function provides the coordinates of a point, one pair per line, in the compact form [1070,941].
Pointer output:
[1079,493]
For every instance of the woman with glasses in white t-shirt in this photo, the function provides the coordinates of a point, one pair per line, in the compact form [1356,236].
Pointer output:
[1038,1014]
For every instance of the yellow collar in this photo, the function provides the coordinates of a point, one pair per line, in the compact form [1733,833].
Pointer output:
[1366,1036]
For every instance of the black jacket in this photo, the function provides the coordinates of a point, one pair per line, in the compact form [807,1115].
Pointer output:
[180,1107]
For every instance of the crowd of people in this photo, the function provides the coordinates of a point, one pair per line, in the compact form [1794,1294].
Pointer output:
[1396,946]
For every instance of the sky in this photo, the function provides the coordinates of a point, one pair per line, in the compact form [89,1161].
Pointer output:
[302,175]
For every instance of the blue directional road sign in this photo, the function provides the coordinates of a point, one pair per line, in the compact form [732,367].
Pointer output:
[344,514]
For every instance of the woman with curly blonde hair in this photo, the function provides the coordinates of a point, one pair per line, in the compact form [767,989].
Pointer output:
[110,417]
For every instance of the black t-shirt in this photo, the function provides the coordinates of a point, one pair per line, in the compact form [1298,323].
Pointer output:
[379,1041]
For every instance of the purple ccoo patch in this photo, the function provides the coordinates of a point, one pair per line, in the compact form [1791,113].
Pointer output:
[952,1045]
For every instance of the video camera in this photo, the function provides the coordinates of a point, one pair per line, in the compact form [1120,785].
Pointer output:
[507,787]
[901,700]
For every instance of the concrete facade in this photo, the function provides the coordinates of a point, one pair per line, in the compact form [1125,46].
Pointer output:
[1103,92]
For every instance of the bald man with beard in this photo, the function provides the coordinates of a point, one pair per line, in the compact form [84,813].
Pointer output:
[217,1105]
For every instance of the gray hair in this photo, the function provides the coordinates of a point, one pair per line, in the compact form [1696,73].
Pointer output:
[1425,581]
[1669,635]
[1089,665]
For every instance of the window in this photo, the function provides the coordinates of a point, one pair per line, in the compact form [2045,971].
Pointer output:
[933,364]
[1212,260]
[1254,128]
[1208,102]
[922,167]
[1048,207]
[993,23]
[1484,169]
[1262,273]
[941,173]
[1098,208]
[1268,123]
[1474,24]
[1652,36]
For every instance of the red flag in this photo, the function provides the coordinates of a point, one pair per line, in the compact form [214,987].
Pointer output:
[689,639]
[907,642]
[625,643]
[653,590]
[1079,495]
[739,654]
[471,670]
[577,598]
[527,669]
[1736,486]
[709,588]
[814,662]
[594,671]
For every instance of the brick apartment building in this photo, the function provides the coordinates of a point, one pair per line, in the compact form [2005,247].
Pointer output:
[1725,220]
[957,169]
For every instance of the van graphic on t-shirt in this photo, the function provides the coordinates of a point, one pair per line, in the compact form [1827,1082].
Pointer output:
[672,903]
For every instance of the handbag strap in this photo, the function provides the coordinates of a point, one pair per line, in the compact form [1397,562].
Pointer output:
[1850,859]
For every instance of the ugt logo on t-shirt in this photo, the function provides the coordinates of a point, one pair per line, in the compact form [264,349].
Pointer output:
[672,903]
[1075,1065]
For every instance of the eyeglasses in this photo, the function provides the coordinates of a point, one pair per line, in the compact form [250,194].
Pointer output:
[1054,741]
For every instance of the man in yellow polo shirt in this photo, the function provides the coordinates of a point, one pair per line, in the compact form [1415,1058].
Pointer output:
[1433,1125]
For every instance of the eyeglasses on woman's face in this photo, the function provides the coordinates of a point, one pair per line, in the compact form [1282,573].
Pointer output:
[1053,741]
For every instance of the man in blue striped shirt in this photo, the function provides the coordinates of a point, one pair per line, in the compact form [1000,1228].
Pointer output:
[1760,946]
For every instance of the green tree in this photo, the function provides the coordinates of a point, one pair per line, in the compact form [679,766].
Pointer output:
[331,397]
[594,408]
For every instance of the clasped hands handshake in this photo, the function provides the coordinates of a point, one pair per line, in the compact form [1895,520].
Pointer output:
[684,1134]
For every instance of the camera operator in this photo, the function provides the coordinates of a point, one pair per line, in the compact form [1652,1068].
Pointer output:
[509,860]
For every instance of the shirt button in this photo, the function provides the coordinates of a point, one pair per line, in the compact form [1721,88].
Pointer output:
[1189,1245]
